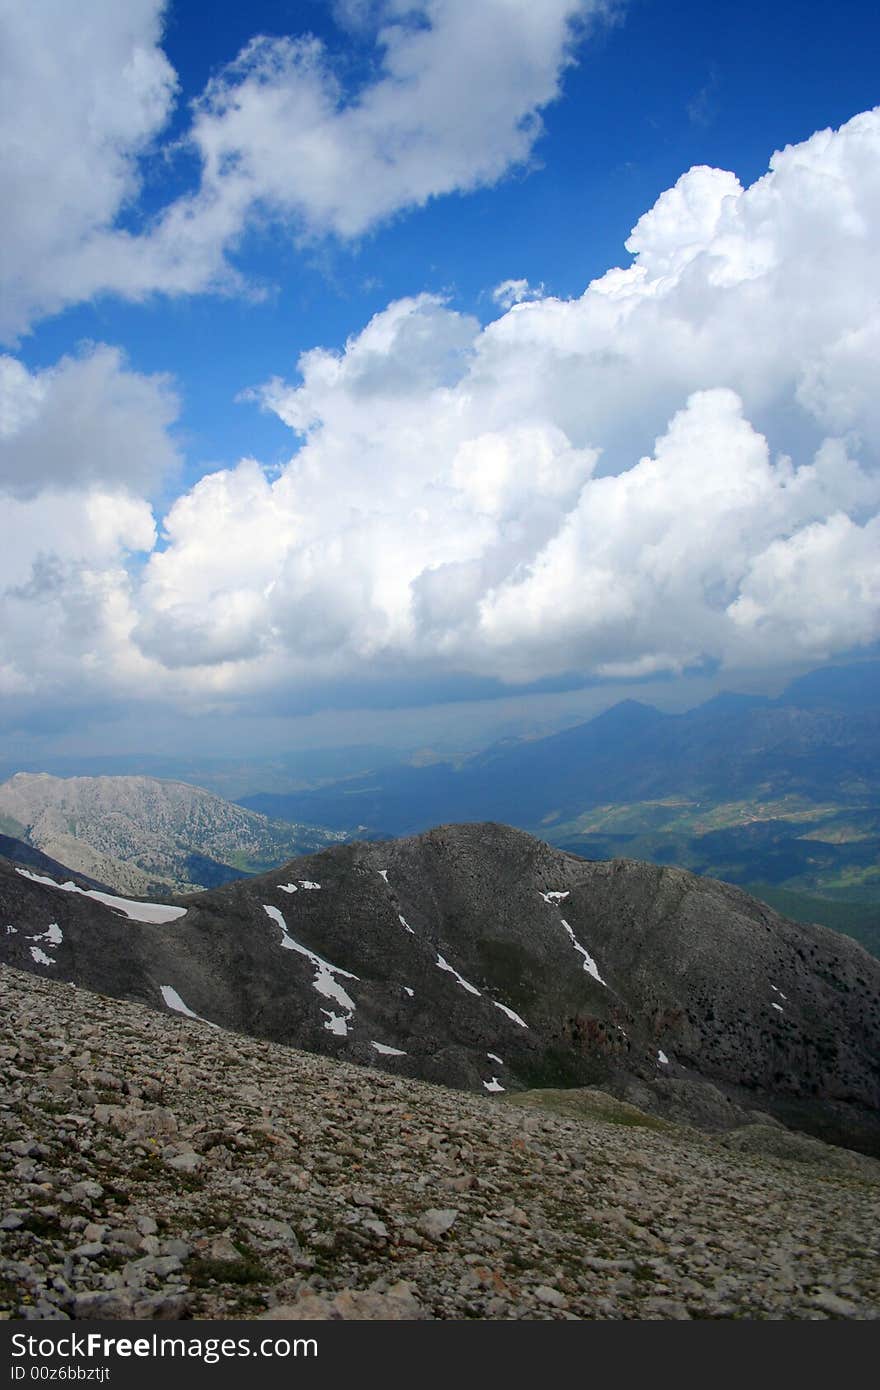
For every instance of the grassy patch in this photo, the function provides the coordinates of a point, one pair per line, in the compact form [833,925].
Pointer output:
[203,1272]
[584,1103]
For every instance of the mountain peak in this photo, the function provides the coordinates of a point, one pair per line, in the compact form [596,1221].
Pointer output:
[435,954]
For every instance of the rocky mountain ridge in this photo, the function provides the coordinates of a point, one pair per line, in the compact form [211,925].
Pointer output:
[142,835]
[479,957]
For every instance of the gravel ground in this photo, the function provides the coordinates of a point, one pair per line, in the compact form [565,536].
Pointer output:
[155,1167]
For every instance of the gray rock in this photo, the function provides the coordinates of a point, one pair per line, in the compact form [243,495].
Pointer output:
[435,1222]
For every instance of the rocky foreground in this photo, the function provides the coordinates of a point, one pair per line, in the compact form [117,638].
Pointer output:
[156,1167]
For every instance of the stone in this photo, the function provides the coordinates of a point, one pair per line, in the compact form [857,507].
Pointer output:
[101,1303]
[546,1294]
[435,1222]
[187,1162]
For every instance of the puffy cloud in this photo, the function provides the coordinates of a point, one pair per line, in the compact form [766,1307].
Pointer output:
[66,611]
[83,91]
[654,568]
[78,443]
[454,105]
[817,591]
[581,485]
[511,292]
[680,465]
[84,420]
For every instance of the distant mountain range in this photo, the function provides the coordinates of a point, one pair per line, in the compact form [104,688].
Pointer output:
[783,792]
[141,835]
[480,957]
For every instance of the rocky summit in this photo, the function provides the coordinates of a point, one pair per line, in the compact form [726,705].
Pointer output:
[154,1166]
[478,957]
[146,835]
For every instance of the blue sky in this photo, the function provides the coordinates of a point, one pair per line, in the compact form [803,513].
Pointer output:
[450,528]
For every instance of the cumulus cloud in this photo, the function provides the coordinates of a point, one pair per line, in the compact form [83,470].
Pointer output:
[84,420]
[454,104]
[79,443]
[511,292]
[84,89]
[681,465]
[66,611]
[581,485]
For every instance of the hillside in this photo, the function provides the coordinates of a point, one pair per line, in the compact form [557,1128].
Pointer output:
[243,1179]
[142,835]
[479,957]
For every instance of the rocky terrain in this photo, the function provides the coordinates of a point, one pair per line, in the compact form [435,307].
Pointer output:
[142,835]
[478,957]
[157,1167]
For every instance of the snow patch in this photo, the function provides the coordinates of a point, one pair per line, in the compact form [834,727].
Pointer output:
[12,931]
[337,1023]
[779,992]
[383,873]
[554,897]
[662,1059]
[493,1085]
[407,990]
[174,1002]
[53,936]
[405,924]
[510,1014]
[325,981]
[287,887]
[777,1006]
[306,884]
[444,965]
[388,1051]
[589,964]
[493,1057]
[136,911]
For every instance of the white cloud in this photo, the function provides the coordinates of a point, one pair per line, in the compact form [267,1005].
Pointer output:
[681,464]
[446,508]
[454,105]
[84,88]
[66,613]
[511,292]
[78,443]
[86,419]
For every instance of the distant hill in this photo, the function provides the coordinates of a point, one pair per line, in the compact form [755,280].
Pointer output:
[820,741]
[141,835]
[479,957]
[780,791]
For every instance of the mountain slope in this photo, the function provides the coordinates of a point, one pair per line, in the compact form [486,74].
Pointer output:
[819,741]
[143,835]
[242,1179]
[479,957]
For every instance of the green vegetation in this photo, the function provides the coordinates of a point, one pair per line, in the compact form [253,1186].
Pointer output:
[247,1270]
[823,856]
[584,1103]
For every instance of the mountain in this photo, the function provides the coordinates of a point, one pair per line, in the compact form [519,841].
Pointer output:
[479,957]
[819,741]
[748,789]
[155,1168]
[142,835]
